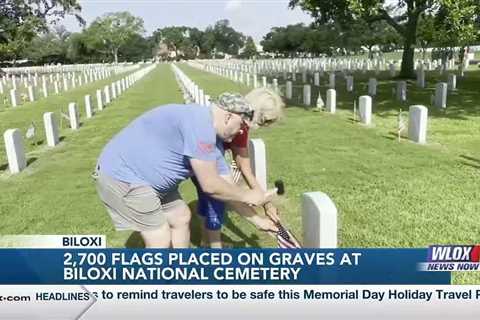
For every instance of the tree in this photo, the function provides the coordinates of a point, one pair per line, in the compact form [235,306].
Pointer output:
[137,48]
[174,37]
[226,39]
[456,24]
[287,40]
[402,15]
[110,32]
[21,21]
[426,33]
[49,47]
[250,49]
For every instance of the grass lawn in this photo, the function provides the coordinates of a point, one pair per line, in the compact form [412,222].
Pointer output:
[388,194]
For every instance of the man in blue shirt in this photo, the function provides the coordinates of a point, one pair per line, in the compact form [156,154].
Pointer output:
[140,169]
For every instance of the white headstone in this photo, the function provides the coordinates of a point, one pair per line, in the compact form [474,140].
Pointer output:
[307,100]
[31,94]
[316,79]
[56,87]
[441,95]
[275,85]
[14,97]
[255,81]
[421,77]
[65,84]
[51,129]
[372,87]
[119,88]
[365,110]
[331,80]
[99,100]
[15,150]
[392,69]
[106,91]
[319,220]
[114,91]
[258,161]
[402,91]
[2,91]
[44,89]
[452,82]
[331,100]
[73,115]
[417,124]
[349,83]
[289,90]
[88,106]
[304,76]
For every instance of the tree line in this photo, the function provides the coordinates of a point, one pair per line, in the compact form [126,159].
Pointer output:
[31,30]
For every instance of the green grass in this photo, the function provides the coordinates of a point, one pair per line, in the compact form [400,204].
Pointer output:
[388,194]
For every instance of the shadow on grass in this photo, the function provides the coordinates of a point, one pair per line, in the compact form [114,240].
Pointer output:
[135,241]
[31,160]
[251,241]
[469,158]
[469,161]
[196,231]
[4,166]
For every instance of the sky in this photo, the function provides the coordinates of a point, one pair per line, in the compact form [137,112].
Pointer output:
[251,17]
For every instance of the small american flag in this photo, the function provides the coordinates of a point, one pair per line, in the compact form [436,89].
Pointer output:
[285,239]
[236,173]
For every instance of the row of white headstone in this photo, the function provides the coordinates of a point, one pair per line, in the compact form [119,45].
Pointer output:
[93,76]
[191,91]
[418,114]
[64,68]
[311,65]
[439,99]
[13,137]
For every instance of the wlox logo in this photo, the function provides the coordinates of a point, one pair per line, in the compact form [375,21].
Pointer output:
[452,258]
[452,253]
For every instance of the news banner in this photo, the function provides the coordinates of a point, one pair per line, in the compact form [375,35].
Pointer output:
[77,277]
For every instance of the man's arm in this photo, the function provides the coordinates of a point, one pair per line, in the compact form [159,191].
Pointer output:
[218,188]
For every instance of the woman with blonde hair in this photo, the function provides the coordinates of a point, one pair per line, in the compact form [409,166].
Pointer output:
[267,108]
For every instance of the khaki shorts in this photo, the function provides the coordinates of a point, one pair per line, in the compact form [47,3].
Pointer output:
[135,207]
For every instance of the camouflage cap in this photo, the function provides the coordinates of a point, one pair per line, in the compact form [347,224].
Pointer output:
[235,103]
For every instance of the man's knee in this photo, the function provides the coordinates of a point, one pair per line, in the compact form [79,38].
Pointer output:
[179,217]
[158,238]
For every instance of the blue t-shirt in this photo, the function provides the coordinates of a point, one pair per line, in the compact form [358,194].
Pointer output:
[156,148]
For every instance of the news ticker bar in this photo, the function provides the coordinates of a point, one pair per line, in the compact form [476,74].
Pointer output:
[240,302]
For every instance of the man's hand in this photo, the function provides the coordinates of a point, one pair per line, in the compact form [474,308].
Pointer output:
[272,212]
[258,197]
[266,225]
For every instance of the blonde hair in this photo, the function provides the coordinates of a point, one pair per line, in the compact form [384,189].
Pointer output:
[268,106]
